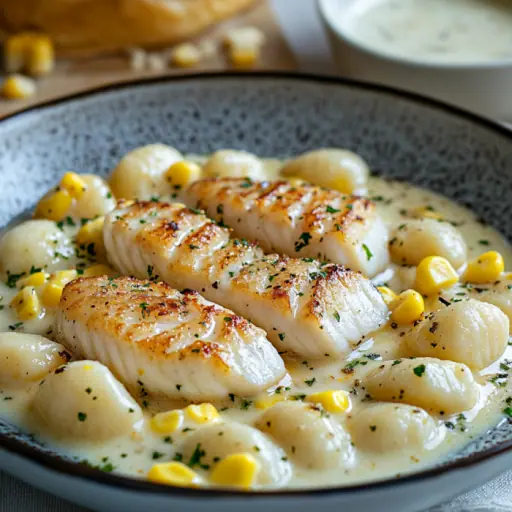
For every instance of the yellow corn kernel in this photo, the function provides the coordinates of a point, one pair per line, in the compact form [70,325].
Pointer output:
[74,184]
[40,55]
[387,294]
[167,422]
[331,401]
[52,292]
[92,234]
[18,87]
[36,279]
[63,277]
[55,206]
[51,295]
[268,401]
[434,274]
[26,303]
[243,57]
[425,212]
[407,307]
[237,470]
[202,413]
[186,55]
[15,51]
[99,270]
[174,473]
[485,269]
[182,173]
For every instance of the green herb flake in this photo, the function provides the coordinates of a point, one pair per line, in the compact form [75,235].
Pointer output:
[419,370]
[369,254]
[303,241]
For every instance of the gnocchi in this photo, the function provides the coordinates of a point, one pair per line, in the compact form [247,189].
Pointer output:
[34,244]
[308,435]
[414,240]
[221,440]
[469,332]
[433,384]
[387,428]
[229,163]
[339,169]
[28,358]
[84,401]
[141,174]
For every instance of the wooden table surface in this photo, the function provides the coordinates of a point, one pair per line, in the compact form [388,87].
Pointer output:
[79,75]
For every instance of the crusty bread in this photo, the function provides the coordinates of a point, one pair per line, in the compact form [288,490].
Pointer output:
[95,26]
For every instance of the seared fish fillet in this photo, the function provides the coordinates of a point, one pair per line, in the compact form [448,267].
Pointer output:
[306,307]
[159,341]
[301,221]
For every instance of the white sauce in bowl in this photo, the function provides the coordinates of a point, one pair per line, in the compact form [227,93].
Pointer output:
[453,31]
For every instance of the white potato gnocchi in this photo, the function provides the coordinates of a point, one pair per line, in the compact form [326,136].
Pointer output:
[229,163]
[28,358]
[387,428]
[141,174]
[339,169]
[84,401]
[414,240]
[97,199]
[308,435]
[469,332]
[34,244]
[500,295]
[434,385]
[220,440]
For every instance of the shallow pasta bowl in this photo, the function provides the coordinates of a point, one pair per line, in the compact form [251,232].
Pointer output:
[402,136]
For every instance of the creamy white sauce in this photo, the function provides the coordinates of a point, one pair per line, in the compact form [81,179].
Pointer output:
[449,31]
[135,454]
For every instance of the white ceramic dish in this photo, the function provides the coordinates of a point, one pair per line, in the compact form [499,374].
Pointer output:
[480,87]
[402,136]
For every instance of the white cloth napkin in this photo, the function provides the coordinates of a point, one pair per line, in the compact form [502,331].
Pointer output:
[305,35]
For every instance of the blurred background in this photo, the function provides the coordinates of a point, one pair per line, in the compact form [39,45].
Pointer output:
[459,51]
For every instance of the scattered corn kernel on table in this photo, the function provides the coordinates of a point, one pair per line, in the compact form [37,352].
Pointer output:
[303,32]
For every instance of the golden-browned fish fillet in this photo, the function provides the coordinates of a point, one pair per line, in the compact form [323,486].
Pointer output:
[160,341]
[306,307]
[301,221]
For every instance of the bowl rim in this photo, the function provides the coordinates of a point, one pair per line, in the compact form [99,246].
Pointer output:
[75,469]
[344,35]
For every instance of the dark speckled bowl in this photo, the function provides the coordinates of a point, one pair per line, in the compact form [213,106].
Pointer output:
[401,136]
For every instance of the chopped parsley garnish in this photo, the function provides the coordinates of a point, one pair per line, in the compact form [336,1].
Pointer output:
[310,382]
[12,279]
[483,242]
[281,336]
[15,326]
[369,254]
[245,404]
[157,455]
[330,209]
[303,241]
[82,416]
[337,316]
[419,370]
[144,309]
[195,458]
